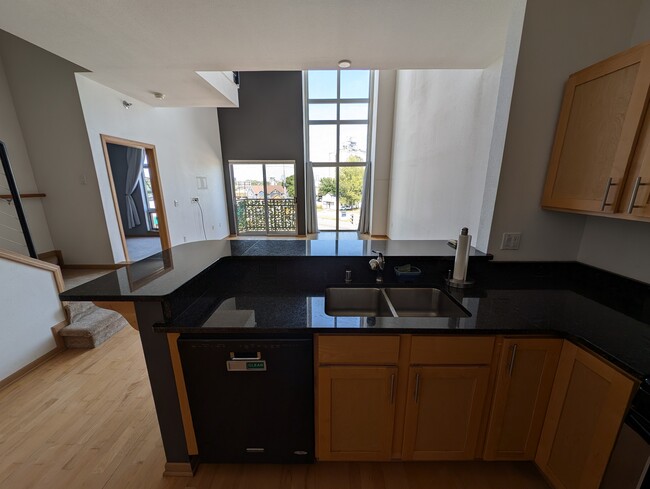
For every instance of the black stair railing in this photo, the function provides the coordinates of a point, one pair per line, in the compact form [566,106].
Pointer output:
[15,201]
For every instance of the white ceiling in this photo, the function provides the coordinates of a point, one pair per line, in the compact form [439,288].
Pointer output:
[142,46]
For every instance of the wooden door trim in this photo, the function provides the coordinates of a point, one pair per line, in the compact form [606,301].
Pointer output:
[156,187]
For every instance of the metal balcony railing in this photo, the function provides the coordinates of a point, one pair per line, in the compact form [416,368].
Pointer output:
[252,216]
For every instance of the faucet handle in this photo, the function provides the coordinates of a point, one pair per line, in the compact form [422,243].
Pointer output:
[380,259]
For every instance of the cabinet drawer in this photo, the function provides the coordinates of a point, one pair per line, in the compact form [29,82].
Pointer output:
[446,350]
[358,350]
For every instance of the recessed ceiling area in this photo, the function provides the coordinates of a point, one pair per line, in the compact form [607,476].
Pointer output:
[158,46]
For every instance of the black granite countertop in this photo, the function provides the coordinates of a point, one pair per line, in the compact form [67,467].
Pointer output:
[560,312]
[158,276]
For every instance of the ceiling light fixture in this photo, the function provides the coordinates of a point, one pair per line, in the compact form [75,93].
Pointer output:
[127,105]
[345,63]
[159,96]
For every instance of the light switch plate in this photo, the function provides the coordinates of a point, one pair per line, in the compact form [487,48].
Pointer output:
[511,241]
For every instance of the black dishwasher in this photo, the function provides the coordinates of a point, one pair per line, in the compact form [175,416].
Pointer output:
[251,399]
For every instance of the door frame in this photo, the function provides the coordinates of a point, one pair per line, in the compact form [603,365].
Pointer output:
[231,163]
[156,188]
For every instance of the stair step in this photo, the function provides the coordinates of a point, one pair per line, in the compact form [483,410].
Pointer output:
[90,325]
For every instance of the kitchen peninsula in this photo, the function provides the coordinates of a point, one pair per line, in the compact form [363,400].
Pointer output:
[517,310]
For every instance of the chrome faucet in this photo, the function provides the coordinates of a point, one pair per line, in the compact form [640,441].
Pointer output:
[377,264]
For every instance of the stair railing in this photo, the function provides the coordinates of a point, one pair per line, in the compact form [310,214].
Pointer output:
[10,185]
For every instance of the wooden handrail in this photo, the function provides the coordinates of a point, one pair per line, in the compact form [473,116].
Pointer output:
[22,196]
[33,262]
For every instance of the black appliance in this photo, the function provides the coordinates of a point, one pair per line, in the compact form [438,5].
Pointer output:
[629,465]
[251,399]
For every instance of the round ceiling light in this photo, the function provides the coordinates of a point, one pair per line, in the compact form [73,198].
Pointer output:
[345,63]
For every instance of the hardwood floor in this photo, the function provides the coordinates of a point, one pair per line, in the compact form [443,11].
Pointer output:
[87,419]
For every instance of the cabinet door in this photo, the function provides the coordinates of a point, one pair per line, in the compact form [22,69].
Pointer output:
[443,412]
[524,382]
[600,118]
[356,410]
[585,412]
[635,202]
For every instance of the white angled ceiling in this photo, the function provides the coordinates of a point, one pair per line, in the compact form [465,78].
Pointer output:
[141,46]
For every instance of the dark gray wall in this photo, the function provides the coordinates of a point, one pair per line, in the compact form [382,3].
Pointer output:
[267,125]
[117,157]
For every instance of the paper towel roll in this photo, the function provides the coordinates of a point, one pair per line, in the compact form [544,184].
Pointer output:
[462,256]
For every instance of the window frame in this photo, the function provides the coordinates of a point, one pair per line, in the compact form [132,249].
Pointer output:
[338,123]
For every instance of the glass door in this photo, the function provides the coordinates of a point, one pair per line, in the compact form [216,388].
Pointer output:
[264,194]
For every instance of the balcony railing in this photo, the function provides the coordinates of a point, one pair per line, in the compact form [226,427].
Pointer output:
[251,216]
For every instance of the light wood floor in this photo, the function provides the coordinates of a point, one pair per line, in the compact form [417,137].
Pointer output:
[86,419]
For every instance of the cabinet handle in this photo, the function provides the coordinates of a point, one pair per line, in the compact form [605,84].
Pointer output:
[392,388]
[609,185]
[632,206]
[512,360]
[416,394]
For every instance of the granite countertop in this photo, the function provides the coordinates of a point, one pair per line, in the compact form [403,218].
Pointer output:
[158,276]
[622,339]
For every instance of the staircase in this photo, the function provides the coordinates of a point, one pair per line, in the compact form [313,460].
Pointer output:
[90,325]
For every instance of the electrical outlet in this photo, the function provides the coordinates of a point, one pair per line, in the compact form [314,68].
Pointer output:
[195,200]
[511,241]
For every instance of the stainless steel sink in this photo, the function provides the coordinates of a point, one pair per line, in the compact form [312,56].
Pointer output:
[431,302]
[350,301]
[390,302]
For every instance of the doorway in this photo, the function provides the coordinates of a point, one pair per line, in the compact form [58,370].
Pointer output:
[133,175]
[264,197]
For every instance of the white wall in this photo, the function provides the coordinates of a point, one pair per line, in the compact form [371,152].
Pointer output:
[187,145]
[441,137]
[49,112]
[382,148]
[558,38]
[12,136]
[26,319]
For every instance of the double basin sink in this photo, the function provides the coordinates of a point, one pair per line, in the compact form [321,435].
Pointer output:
[391,302]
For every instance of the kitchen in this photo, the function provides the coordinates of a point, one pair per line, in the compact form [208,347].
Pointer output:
[552,236]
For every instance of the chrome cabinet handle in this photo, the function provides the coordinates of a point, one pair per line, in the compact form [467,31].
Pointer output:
[392,388]
[512,360]
[632,206]
[609,185]
[416,394]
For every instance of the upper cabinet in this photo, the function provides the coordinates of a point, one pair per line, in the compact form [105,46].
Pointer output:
[600,161]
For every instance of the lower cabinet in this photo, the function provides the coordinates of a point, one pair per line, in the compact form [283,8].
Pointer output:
[356,412]
[419,397]
[523,387]
[443,413]
[587,405]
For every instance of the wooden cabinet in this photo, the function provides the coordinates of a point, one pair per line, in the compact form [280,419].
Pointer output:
[356,409]
[355,396]
[444,410]
[593,166]
[585,412]
[524,381]
[448,384]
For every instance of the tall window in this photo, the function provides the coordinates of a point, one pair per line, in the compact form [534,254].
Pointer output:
[337,112]
[152,215]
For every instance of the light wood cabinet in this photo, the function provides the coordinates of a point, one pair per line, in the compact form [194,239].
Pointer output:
[446,396]
[356,412]
[443,413]
[585,412]
[524,381]
[593,166]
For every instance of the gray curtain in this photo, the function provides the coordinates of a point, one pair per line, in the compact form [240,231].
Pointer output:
[364,216]
[311,219]
[134,164]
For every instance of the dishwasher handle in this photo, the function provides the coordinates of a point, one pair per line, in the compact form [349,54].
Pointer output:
[245,355]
